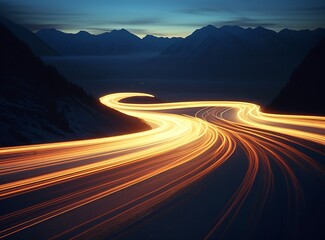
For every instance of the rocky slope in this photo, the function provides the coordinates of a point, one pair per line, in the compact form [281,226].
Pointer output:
[38,105]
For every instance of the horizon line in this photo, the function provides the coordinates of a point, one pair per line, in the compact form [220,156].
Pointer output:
[142,36]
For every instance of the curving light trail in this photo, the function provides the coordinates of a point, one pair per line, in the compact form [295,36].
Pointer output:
[90,188]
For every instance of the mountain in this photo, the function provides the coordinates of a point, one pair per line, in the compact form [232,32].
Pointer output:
[221,45]
[235,41]
[226,41]
[232,52]
[227,53]
[116,42]
[300,41]
[304,93]
[69,44]
[37,46]
[158,44]
[38,105]
[119,42]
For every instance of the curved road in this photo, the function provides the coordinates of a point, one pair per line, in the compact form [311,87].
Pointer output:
[96,188]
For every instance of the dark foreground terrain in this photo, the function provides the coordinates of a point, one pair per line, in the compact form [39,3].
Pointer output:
[305,91]
[39,105]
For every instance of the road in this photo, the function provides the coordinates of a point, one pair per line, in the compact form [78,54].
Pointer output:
[96,188]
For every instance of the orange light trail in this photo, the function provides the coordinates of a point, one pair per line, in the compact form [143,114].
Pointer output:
[102,185]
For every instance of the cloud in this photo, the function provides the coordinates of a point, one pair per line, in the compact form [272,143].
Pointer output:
[171,17]
[202,10]
[137,21]
[241,21]
[245,22]
[9,10]
[28,15]
[34,27]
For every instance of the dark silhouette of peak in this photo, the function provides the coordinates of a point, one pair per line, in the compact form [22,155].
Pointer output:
[260,28]
[123,30]
[319,30]
[211,30]
[123,33]
[49,33]
[120,31]
[304,92]
[38,105]
[149,37]
[208,42]
[120,42]
[153,38]
[232,52]
[285,30]
[204,31]
[158,44]
[115,42]
[264,31]
[39,47]
[208,28]
[84,33]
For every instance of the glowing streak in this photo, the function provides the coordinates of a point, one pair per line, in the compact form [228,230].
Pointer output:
[149,167]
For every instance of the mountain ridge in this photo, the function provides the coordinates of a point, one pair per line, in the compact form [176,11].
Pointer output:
[38,105]
[229,41]
[304,92]
[115,42]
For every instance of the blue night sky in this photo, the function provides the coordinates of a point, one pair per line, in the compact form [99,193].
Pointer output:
[163,18]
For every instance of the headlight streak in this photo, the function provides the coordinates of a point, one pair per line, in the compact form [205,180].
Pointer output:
[152,166]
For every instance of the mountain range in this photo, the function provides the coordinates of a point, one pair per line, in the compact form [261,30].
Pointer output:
[228,52]
[210,53]
[37,104]
[232,52]
[304,92]
[224,44]
[116,42]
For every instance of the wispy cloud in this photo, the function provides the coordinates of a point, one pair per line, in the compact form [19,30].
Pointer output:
[245,22]
[137,21]
[170,17]
[203,10]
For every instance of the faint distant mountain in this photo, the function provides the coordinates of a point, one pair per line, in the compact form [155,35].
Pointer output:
[116,42]
[305,91]
[234,41]
[225,53]
[159,43]
[302,41]
[232,52]
[38,105]
[68,44]
[38,47]
[226,41]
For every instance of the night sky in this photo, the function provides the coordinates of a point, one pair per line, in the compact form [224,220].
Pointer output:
[163,18]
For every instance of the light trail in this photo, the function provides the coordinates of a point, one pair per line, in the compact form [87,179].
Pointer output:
[90,188]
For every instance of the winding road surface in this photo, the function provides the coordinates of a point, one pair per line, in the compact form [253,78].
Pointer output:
[96,188]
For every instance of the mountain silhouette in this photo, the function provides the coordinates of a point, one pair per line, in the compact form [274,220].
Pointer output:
[38,105]
[158,44]
[304,92]
[206,41]
[225,53]
[116,42]
[238,41]
[38,47]
[231,52]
